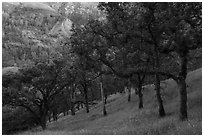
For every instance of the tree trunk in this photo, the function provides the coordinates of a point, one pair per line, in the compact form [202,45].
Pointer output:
[78,106]
[92,96]
[43,117]
[43,122]
[72,105]
[102,97]
[64,112]
[44,113]
[129,94]
[105,98]
[49,116]
[159,99]
[54,114]
[104,110]
[86,98]
[182,88]
[156,65]
[49,119]
[72,108]
[136,91]
[157,83]
[140,95]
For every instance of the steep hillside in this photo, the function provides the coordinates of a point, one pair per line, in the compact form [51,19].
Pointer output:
[125,118]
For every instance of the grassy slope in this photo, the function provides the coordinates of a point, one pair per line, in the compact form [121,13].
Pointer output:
[125,117]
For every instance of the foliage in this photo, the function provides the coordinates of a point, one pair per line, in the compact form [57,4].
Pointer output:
[16,119]
[38,87]
[113,85]
[113,41]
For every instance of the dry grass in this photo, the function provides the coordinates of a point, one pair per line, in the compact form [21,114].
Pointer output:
[125,117]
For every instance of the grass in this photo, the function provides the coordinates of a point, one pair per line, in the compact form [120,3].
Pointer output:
[125,118]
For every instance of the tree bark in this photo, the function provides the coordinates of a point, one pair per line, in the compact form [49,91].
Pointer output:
[139,87]
[140,95]
[86,98]
[72,105]
[43,122]
[64,112]
[105,98]
[43,117]
[157,84]
[156,65]
[49,116]
[182,88]
[49,119]
[159,99]
[102,97]
[128,87]
[54,113]
[44,113]
[129,94]
[72,109]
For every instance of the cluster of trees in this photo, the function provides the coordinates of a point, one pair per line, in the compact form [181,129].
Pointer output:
[49,78]
[70,49]
[142,39]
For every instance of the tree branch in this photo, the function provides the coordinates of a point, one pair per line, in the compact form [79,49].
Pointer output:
[133,71]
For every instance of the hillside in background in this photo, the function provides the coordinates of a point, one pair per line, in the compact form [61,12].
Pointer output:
[125,118]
